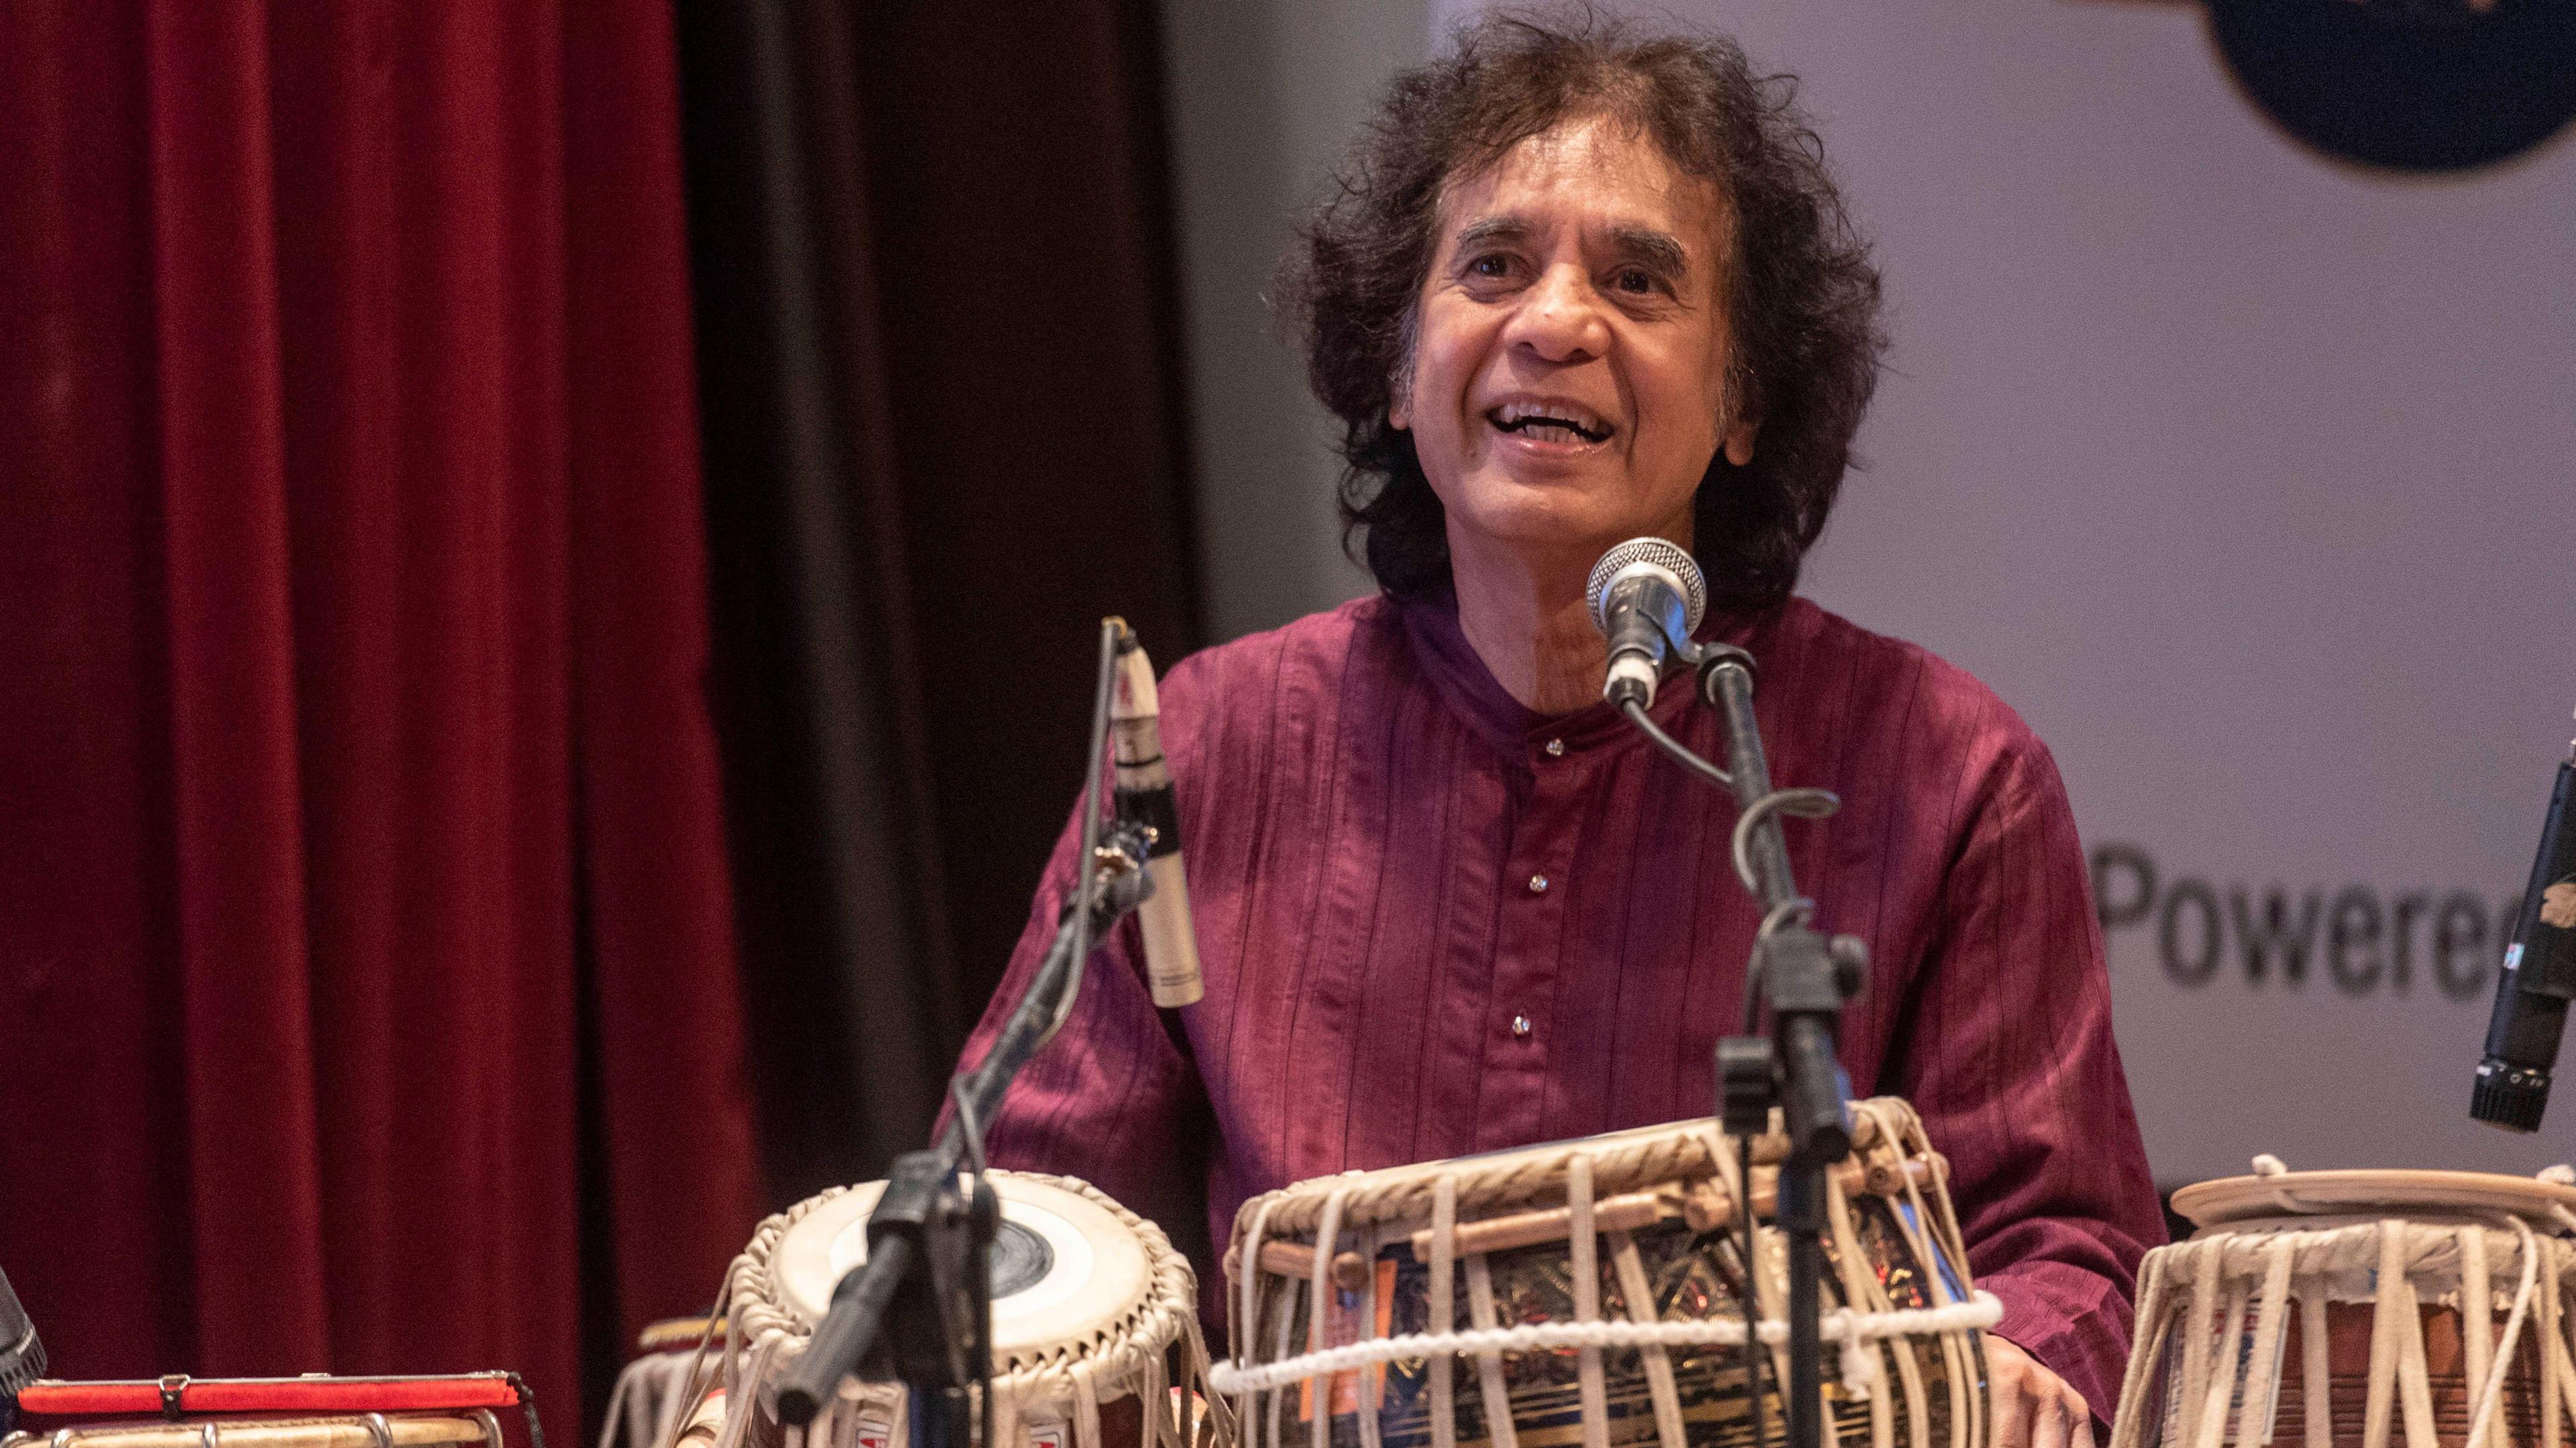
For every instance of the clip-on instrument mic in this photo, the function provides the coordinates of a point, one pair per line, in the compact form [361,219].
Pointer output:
[2538,978]
[1144,798]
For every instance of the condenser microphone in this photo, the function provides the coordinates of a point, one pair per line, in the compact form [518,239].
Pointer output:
[1646,595]
[22,1357]
[2538,978]
[1144,796]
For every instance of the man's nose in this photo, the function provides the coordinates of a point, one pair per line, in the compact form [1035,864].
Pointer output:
[1560,318]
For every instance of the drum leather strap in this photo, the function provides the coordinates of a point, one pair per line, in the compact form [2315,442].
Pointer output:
[1319,1317]
[1586,1249]
[1444,1307]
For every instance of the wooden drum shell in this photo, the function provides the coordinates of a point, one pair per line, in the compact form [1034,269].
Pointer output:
[1665,1231]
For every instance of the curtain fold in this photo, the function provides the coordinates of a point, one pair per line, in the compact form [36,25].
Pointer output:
[944,434]
[357,789]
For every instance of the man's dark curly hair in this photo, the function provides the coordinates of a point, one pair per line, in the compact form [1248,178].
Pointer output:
[1801,296]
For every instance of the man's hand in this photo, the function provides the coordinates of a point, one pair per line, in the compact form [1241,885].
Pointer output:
[2034,1408]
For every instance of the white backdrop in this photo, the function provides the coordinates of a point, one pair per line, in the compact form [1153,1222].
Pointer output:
[2246,476]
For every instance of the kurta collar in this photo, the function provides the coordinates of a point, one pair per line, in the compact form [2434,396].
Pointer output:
[1458,674]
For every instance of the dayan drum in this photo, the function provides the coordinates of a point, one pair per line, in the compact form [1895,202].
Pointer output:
[2331,1308]
[1593,1292]
[1093,1313]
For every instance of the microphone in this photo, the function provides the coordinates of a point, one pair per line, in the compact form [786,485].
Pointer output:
[2538,978]
[1646,596]
[22,1357]
[1144,796]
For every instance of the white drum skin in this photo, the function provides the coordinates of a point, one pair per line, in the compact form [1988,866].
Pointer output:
[1099,1274]
[1096,1341]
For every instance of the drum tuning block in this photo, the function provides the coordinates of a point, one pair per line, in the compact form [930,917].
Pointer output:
[1287,1259]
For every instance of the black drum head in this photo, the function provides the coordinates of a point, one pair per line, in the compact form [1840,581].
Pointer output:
[1020,1259]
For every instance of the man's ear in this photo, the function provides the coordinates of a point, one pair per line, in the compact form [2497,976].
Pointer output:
[1739,441]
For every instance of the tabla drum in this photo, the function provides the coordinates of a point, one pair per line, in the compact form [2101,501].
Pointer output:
[646,1408]
[2326,1308]
[1593,1292]
[1094,1315]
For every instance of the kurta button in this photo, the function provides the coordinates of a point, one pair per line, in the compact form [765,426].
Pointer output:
[1555,748]
[1538,884]
[1520,1026]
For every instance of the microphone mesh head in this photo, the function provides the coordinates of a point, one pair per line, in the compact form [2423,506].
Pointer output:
[2508,1098]
[1660,554]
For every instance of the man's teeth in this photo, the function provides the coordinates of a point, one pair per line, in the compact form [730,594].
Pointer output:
[1553,432]
[1552,422]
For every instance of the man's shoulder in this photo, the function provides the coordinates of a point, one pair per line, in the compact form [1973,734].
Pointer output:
[1899,685]
[1319,644]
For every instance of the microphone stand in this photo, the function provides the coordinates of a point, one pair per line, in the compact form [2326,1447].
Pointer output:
[919,1310]
[1804,979]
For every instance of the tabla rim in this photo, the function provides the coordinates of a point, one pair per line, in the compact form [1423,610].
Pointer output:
[1500,1158]
[2231,1200]
[1102,1274]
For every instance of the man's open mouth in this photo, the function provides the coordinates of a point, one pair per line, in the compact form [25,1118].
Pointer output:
[1550,422]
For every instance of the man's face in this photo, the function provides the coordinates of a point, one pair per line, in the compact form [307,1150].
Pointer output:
[1569,375]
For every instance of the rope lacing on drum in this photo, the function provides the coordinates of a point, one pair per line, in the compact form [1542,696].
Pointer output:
[1375,1210]
[2197,1295]
[1982,1310]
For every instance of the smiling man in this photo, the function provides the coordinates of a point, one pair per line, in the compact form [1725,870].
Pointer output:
[1577,286]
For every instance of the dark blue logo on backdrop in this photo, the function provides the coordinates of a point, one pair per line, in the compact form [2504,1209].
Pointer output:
[2410,85]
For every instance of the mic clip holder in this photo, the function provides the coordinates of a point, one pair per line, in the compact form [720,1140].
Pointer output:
[937,1333]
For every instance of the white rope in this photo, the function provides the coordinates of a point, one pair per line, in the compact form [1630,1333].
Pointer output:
[1984,1311]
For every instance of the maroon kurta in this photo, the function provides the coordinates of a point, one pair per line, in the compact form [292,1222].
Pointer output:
[1434,922]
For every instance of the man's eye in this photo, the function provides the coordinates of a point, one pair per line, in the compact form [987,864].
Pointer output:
[1633,280]
[1491,264]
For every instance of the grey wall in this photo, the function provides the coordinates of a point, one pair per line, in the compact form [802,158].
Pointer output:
[1264,97]
[2248,477]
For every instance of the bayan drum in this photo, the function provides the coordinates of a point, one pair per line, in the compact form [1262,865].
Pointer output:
[1594,1292]
[2325,1308]
[645,1408]
[1091,1306]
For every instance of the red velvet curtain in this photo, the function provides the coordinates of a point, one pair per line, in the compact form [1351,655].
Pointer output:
[367,994]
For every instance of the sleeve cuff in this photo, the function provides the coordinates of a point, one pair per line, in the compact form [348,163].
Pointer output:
[2072,1321]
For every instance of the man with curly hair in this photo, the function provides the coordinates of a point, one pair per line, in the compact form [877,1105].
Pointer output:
[1578,285]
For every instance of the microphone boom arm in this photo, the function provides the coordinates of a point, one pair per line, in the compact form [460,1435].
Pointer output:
[915,1206]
